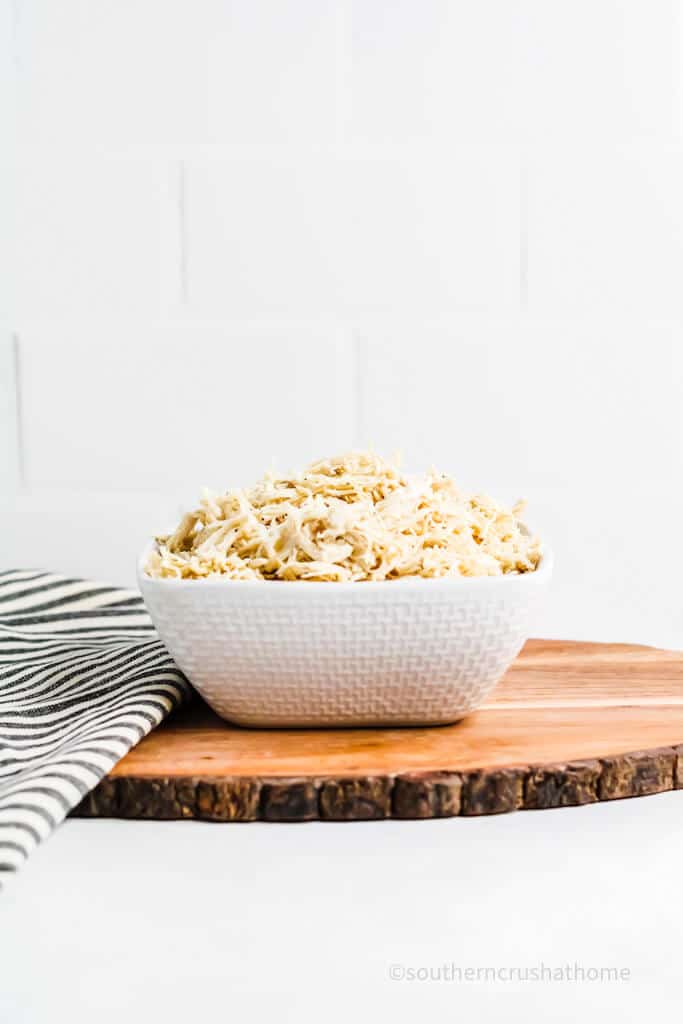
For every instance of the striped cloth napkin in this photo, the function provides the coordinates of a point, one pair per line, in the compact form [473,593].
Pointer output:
[83,677]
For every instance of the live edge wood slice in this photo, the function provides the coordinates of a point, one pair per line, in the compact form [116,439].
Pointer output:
[570,723]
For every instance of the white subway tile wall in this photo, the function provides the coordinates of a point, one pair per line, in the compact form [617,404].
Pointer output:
[178,409]
[7,190]
[532,69]
[151,72]
[600,70]
[7,77]
[10,470]
[93,236]
[432,231]
[237,234]
[529,403]
[342,235]
[619,217]
[263,236]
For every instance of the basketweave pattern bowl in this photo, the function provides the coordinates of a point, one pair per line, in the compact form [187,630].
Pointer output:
[401,652]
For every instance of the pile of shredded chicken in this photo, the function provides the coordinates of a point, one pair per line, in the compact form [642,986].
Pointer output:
[356,517]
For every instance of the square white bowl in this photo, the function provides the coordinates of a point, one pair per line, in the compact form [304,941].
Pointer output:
[401,652]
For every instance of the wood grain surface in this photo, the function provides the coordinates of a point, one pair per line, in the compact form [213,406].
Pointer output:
[571,723]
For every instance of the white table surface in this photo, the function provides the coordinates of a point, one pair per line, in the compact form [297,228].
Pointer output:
[190,921]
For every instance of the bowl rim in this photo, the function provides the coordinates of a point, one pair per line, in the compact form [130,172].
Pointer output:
[539,575]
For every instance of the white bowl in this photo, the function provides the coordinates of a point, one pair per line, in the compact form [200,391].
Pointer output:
[401,652]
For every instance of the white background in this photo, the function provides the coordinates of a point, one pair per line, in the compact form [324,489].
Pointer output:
[236,233]
[193,922]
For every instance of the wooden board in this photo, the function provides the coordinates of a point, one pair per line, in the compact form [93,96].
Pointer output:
[571,723]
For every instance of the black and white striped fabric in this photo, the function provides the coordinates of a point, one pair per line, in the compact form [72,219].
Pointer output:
[83,677]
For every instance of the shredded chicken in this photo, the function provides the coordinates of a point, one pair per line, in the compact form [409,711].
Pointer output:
[355,517]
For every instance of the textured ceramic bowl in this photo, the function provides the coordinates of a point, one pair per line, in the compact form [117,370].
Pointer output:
[404,652]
